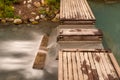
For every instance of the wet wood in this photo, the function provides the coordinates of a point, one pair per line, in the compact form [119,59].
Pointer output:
[40,58]
[87,65]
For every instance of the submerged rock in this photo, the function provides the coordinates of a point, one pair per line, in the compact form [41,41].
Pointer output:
[17,21]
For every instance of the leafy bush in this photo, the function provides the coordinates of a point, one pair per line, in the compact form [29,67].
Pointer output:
[9,11]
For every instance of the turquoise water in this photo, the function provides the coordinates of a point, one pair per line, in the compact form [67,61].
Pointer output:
[108,20]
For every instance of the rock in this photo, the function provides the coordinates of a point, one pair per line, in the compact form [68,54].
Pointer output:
[32,20]
[17,21]
[24,2]
[43,2]
[56,12]
[19,12]
[3,21]
[57,16]
[29,1]
[35,22]
[56,19]
[37,4]
[52,16]
[37,17]
[28,5]
[42,16]
[33,13]
[47,9]
[9,19]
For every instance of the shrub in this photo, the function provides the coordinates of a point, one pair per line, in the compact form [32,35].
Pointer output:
[9,11]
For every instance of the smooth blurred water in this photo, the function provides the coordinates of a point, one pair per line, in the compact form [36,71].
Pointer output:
[108,20]
[18,48]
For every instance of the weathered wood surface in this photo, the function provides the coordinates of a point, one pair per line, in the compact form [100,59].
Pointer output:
[87,65]
[76,11]
[79,35]
[40,58]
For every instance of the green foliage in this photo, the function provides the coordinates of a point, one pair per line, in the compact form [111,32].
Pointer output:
[52,2]
[6,9]
[43,11]
[9,11]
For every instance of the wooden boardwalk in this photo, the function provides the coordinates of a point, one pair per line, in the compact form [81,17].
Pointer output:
[87,65]
[76,12]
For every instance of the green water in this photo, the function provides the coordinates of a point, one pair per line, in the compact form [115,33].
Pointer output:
[108,20]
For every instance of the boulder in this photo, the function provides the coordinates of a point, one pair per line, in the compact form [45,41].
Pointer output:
[37,4]
[3,21]
[37,17]
[9,19]
[42,16]
[17,21]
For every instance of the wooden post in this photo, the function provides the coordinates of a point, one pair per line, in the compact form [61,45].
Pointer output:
[39,62]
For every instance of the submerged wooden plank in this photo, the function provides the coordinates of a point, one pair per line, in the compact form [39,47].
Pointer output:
[39,62]
[40,58]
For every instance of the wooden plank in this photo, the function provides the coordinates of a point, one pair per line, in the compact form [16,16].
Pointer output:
[39,62]
[75,10]
[70,67]
[88,67]
[80,75]
[105,63]
[114,62]
[93,67]
[75,71]
[96,60]
[65,66]
[60,66]
[111,75]
[79,31]
[101,64]
[84,70]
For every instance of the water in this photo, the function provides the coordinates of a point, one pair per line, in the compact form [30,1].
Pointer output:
[108,20]
[18,47]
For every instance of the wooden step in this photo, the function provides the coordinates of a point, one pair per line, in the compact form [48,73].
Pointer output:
[79,35]
[77,64]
